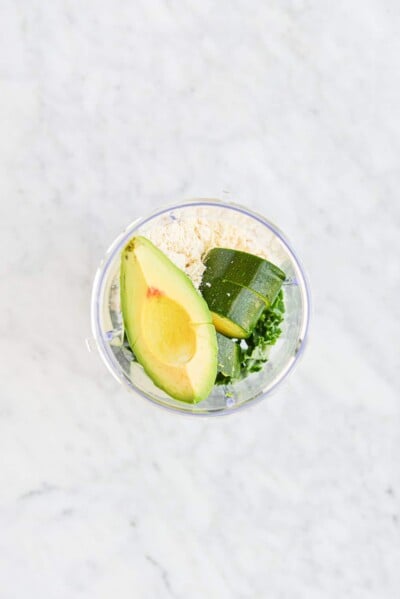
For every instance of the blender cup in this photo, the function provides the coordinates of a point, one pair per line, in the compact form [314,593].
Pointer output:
[106,315]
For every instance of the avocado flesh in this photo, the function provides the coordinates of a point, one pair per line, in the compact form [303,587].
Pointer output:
[167,323]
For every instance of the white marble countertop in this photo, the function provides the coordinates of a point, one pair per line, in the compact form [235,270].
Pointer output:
[108,110]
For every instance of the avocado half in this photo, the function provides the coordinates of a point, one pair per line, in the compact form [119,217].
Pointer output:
[167,322]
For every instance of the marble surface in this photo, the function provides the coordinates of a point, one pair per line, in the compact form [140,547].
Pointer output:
[108,110]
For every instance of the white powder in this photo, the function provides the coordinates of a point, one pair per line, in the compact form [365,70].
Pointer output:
[186,241]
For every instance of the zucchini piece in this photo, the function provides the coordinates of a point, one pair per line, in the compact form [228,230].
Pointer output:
[235,309]
[228,357]
[245,270]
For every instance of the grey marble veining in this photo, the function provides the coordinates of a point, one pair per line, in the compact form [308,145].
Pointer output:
[106,112]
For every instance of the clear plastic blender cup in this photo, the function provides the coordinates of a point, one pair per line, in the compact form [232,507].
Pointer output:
[107,319]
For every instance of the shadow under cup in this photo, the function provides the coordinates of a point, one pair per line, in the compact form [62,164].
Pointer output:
[107,320]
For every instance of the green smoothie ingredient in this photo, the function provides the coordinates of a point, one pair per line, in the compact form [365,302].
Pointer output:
[167,323]
[228,357]
[235,309]
[246,270]
[238,287]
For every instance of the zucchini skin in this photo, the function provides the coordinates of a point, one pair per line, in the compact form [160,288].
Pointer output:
[246,270]
[234,303]
[238,287]
[228,357]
